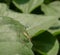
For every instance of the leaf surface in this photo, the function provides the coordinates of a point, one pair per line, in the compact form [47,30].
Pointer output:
[52,8]
[54,50]
[45,43]
[33,23]
[13,41]
[27,5]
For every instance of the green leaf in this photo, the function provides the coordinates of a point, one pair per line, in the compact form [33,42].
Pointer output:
[40,22]
[44,23]
[44,42]
[52,8]
[33,23]
[27,5]
[13,41]
[55,29]
[54,50]
[3,8]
